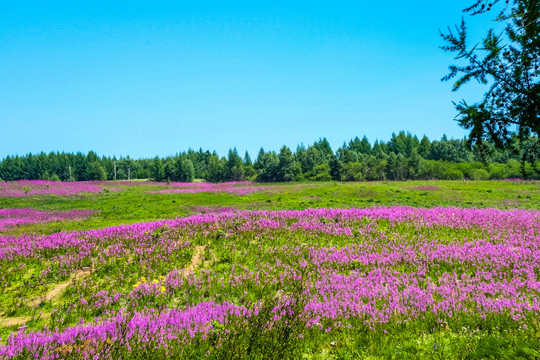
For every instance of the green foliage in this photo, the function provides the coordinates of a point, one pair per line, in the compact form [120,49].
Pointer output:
[492,347]
[95,171]
[268,164]
[254,340]
[454,174]
[498,171]
[404,157]
[235,166]
[186,171]
[121,174]
[215,169]
[509,64]
[319,173]
[353,172]
[479,174]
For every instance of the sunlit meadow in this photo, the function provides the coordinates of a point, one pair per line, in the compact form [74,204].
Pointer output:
[382,282]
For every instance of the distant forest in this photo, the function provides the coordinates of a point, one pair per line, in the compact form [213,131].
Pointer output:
[403,157]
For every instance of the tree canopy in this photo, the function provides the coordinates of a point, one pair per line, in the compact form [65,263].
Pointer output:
[508,63]
[403,157]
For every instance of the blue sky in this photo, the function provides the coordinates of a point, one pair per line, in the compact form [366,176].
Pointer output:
[155,78]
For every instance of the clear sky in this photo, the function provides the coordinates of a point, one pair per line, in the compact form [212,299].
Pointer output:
[155,78]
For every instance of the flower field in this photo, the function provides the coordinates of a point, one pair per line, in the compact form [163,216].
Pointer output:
[43,187]
[10,218]
[22,188]
[233,187]
[382,282]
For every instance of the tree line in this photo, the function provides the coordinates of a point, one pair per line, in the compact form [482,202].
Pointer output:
[403,157]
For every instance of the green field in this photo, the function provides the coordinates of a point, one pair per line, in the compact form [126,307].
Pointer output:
[413,270]
[133,204]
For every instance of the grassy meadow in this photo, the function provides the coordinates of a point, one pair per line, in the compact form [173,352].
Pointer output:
[134,204]
[378,270]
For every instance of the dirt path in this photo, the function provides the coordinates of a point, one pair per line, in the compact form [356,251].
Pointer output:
[196,260]
[19,320]
[12,321]
[58,289]
[52,294]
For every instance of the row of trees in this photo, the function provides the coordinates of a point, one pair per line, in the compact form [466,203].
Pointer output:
[403,157]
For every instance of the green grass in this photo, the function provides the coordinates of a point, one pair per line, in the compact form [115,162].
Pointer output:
[466,337]
[133,204]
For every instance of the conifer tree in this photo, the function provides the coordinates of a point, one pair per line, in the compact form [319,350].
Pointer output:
[509,64]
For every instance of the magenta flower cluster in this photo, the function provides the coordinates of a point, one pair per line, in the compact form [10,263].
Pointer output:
[42,187]
[176,325]
[233,187]
[360,268]
[10,218]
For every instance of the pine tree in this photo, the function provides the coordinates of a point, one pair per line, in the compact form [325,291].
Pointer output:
[509,63]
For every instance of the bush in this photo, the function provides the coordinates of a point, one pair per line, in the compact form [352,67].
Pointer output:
[454,174]
[514,169]
[498,171]
[434,169]
[479,174]
[319,173]
[353,172]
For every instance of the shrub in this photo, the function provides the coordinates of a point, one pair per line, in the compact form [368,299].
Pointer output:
[319,173]
[454,174]
[479,174]
[353,172]
[514,169]
[498,171]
